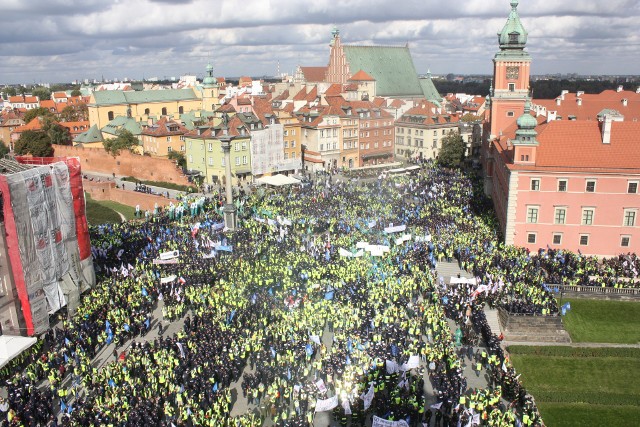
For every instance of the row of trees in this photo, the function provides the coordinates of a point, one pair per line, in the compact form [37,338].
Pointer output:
[43,93]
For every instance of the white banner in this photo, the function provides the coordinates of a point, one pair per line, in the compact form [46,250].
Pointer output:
[169,255]
[368,397]
[425,238]
[210,255]
[346,406]
[168,279]
[315,339]
[463,280]
[321,387]
[396,229]
[414,362]
[380,422]
[326,404]
[346,253]
[392,367]
[362,245]
[165,261]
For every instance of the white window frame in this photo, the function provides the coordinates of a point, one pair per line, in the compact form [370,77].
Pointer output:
[629,183]
[580,240]
[566,185]
[553,239]
[537,214]
[535,238]
[625,236]
[586,186]
[634,217]
[593,215]
[536,180]
[564,216]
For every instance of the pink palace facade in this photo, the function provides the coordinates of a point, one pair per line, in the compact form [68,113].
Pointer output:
[565,176]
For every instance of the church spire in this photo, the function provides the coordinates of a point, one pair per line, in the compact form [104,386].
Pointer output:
[513,34]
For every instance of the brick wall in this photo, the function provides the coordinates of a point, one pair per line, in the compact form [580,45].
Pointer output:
[107,191]
[126,164]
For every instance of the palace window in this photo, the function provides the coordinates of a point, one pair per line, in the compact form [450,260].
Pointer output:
[532,215]
[535,185]
[624,241]
[557,239]
[584,240]
[562,185]
[587,217]
[560,216]
[629,218]
[590,187]
[531,238]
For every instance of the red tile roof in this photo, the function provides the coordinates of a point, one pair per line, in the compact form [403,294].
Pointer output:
[302,95]
[333,90]
[361,76]
[314,74]
[163,127]
[49,104]
[579,144]
[76,128]
[592,104]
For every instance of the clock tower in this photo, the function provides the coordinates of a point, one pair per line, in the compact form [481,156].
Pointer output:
[511,70]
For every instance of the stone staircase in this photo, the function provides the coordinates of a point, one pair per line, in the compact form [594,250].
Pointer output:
[525,328]
[492,319]
[451,269]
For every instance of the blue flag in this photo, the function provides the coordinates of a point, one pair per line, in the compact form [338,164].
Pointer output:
[144,292]
[147,323]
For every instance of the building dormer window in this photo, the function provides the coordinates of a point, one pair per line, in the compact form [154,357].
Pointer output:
[513,38]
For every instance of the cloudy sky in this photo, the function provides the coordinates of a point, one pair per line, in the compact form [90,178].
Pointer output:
[64,40]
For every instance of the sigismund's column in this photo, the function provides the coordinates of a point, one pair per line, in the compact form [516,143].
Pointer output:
[229,209]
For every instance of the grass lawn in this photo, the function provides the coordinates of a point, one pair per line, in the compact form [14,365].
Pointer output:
[98,214]
[583,415]
[129,212]
[603,321]
[581,386]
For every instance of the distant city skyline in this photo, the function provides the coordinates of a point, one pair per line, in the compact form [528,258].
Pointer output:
[47,41]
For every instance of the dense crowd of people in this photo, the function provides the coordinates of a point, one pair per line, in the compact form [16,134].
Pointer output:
[309,309]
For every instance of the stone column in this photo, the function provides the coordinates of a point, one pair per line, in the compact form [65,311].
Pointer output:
[229,209]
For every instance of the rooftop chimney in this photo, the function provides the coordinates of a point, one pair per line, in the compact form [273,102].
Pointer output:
[607,121]
[624,102]
[558,101]
[638,89]
[579,101]
[620,88]
[580,93]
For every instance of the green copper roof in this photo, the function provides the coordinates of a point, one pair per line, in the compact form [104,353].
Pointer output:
[429,90]
[92,135]
[114,97]
[122,122]
[513,35]
[526,133]
[392,67]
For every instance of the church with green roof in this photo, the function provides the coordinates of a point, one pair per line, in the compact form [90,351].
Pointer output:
[390,67]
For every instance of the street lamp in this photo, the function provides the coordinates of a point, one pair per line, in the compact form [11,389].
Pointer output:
[303,148]
[229,209]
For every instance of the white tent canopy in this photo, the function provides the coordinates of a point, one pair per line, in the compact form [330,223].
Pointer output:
[11,346]
[277,180]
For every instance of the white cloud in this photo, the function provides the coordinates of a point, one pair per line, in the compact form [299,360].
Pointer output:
[59,40]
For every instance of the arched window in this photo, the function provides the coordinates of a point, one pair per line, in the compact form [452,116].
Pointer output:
[146,111]
[181,110]
[164,111]
[110,115]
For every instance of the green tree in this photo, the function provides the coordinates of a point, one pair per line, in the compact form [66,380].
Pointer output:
[124,141]
[37,112]
[76,92]
[4,150]
[179,158]
[470,118]
[58,135]
[11,91]
[453,149]
[34,142]
[42,93]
